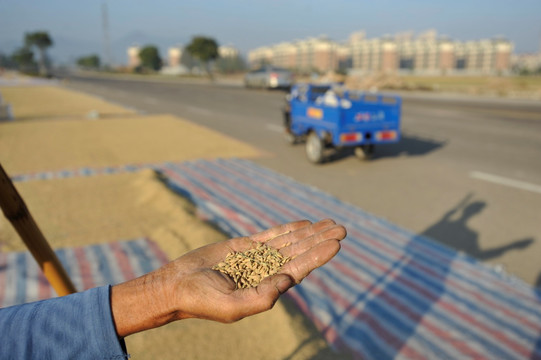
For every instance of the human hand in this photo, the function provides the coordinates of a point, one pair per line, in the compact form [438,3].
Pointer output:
[188,287]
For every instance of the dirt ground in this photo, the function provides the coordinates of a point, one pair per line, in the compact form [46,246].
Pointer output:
[52,130]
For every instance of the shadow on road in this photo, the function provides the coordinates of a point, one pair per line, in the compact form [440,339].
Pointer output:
[453,230]
[409,145]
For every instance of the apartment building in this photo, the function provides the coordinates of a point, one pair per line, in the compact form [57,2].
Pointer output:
[312,54]
[430,54]
[527,62]
[228,51]
[425,54]
[174,56]
[133,56]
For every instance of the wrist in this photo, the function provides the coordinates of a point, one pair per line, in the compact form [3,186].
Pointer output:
[140,304]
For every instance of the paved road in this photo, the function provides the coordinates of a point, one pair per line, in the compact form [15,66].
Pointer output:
[466,173]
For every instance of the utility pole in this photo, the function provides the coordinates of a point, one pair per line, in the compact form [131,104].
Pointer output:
[106,41]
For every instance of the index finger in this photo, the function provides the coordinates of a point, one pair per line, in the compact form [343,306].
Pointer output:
[300,234]
[303,264]
[276,231]
[248,242]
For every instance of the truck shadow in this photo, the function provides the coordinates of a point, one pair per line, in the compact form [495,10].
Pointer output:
[409,145]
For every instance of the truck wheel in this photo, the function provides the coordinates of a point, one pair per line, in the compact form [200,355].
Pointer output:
[364,152]
[314,148]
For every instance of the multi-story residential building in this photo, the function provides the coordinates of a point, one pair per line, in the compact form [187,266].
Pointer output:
[427,54]
[260,56]
[319,54]
[526,62]
[174,56]
[372,55]
[227,51]
[133,56]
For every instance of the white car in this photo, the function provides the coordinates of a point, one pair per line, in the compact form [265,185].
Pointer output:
[269,77]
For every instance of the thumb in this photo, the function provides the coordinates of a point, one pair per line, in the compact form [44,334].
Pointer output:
[282,283]
[264,296]
[272,287]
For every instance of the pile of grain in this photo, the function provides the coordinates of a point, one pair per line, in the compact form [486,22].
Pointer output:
[249,268]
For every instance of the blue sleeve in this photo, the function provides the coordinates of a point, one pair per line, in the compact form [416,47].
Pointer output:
[78,326]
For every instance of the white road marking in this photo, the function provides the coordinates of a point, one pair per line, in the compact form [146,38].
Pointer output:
[506,181]
[274,127]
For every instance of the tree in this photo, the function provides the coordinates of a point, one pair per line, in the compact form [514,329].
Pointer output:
[150,58]
[24,59]
[89,62]
[42,41]
[230,64]
[204,49]
[6,62]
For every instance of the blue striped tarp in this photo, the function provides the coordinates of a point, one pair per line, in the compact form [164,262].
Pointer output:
[85,171]
[22,281]
[389,293]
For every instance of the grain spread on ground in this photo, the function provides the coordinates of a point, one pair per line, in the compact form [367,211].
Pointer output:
[248,268]
[98,209]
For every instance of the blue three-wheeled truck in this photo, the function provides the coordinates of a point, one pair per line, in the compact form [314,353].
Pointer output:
[328,116]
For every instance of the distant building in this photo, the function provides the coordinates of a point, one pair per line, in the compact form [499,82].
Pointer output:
[526,62]
[174,62]
[426,54]
[260,56]
[312,54]
[429,54]
[133,57]
[228,52]
[174,55]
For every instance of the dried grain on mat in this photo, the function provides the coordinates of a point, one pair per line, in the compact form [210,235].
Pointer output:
[57,145]
[45,102]
[248,268]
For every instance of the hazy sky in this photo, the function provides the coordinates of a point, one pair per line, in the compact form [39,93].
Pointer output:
[248,24]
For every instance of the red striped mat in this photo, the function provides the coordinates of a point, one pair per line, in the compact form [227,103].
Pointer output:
[22,281]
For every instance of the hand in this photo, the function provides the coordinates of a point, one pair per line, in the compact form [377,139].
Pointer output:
[188,287]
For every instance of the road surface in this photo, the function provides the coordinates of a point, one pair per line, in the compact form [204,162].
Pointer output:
[466,173]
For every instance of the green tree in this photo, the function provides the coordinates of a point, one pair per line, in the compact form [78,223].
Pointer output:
[205,49]
[230,64]
[150,58]
[89,62]
[42,41]
[6,61]
[24,59]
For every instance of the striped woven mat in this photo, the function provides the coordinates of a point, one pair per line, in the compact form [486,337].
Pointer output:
[21,280]
[389,293]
